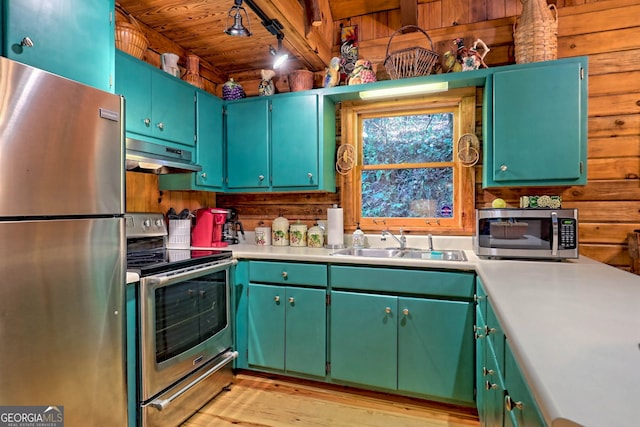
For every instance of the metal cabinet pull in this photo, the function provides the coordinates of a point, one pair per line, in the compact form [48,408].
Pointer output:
[203,175]
[490,386]
[486,371]
[387,310]
[310,175]
[291,300]
[147,121]
[489,330]
[27,42]
[285,274]
[160,126]
[503,168]
[276,298]
[261,177]
[405,311]
[510,405]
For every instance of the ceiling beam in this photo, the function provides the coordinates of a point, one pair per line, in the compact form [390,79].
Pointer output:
[408,12]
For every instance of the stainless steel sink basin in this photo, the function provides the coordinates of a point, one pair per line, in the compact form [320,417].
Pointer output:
[369,252]
[444,255]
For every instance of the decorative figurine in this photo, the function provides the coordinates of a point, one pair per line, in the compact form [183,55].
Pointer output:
[332,75]
[266,86]
[465,59]
[348,49]
[362,73]
[232,90]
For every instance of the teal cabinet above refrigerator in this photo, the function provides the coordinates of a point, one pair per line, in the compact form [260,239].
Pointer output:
[71,38]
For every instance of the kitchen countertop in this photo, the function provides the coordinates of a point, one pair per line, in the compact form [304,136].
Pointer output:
[573,326]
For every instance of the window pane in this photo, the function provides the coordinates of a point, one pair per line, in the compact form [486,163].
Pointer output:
[417,138]
[401,193]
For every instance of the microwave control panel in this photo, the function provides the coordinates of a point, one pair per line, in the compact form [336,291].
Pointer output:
[568,233]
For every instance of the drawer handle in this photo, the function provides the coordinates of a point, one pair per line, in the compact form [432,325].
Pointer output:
[405,311]
[486,371]
[387,310]
[276,298]
[291,300]
[160,126]
[503,168]
[261,177]
[510,405]
[285,274]
[489,330]
[147,121]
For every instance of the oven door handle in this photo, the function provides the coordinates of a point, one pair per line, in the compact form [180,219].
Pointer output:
[164,279]
[161,404]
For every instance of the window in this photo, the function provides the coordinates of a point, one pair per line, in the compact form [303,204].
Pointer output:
[407,173]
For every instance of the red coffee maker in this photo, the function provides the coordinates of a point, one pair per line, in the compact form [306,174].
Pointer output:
[207,233]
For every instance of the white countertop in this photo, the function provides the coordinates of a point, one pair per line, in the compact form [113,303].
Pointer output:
[573,326]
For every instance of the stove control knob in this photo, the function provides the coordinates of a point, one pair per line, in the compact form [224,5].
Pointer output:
[146,223]
[159,223]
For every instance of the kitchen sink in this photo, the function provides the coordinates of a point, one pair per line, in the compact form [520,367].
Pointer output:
[443,255]
[370,252]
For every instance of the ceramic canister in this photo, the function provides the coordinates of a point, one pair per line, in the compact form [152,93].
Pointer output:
[298,234]
[315,237]
[263,236]
[280,232]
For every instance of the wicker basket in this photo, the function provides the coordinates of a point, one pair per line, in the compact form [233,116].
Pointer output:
[129,36]
[535,33]
[300,80]
[410,62]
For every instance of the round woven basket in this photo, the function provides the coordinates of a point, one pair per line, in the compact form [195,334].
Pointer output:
[300,80]
[129,36]
[410,62]
[535,33]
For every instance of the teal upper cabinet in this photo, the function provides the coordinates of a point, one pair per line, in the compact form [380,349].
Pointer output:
[209,149]
[158,105]
[537,132]
[281,143]
[71,38]
[248,144]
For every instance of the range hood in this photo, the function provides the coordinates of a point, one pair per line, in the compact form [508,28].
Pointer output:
[143,156]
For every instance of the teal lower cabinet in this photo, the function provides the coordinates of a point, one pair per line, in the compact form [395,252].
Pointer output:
[520,406]
[416,342]
[287,318]
[287,329]
[503,397]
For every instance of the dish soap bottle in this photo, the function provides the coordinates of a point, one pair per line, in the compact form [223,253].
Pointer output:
[358,238]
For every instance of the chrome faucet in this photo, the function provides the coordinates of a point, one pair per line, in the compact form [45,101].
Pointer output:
[402,240]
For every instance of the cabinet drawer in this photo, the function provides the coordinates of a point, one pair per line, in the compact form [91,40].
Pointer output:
[288,273]
[421,282]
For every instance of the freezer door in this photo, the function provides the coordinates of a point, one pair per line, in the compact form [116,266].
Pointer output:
[61,318]
[61,143]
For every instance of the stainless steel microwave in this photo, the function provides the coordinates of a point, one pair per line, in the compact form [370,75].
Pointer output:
[526,233]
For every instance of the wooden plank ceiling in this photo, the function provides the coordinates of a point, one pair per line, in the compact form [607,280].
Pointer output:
[197,26]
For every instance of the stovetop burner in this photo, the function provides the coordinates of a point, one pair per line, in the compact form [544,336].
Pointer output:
[146,247]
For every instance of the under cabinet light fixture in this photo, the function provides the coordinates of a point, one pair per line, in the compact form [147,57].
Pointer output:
[404,90]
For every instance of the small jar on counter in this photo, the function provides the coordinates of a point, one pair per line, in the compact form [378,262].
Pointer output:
[298,234]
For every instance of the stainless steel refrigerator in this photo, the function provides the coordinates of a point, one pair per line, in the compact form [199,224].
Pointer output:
[62,249]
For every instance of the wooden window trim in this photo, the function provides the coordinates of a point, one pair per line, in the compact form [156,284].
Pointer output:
[463,221]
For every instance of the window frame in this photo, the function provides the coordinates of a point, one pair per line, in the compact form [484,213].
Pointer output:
[462,102]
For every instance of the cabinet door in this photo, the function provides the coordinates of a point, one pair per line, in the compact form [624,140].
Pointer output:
[133,81]
[173,109]
[481,360]
[209,145]
[539,125]
[306,331]
[266,326]
[520,407]
[435,348]
[248,145]
[493,388]
[71,38]
[364,339]
[294,141]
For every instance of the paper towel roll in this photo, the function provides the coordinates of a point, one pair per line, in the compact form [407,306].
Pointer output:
[335,232]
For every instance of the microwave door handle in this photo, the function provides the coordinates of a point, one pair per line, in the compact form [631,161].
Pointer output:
[554,233]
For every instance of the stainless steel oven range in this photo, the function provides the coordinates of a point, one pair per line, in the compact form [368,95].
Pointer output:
[185,342]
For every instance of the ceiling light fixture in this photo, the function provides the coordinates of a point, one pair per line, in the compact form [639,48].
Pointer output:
[281,55]
[405,90]
[237,28]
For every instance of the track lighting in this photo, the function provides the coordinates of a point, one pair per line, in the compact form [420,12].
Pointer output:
[281,55]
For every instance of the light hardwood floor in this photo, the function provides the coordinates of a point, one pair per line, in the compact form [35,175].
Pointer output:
[263,401]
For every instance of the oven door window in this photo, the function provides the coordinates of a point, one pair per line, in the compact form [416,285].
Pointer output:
[188,313]
[515,233]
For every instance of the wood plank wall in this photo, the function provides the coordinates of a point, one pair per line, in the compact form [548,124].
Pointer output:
[608,31]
